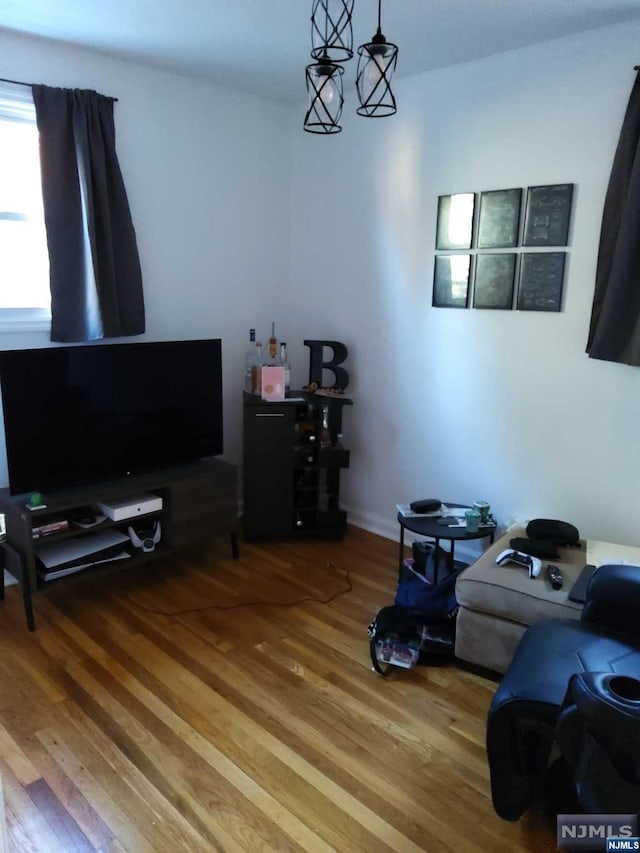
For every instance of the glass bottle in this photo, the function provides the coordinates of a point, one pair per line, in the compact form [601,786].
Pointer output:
[249,362]
[287,369]
[256,370]
[273,346]
[307,432]
[306,455]
[325,432]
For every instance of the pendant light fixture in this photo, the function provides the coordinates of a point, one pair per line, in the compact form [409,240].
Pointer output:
[331,30]
[324,87]
[331,44]
[376,63]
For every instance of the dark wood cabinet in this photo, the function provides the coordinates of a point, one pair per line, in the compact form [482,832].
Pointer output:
[199,503]
[292,458]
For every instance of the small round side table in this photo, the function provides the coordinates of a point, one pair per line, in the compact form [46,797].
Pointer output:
[430,526]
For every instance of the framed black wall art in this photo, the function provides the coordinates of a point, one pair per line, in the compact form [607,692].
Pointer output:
[499,219]
[451,276]
[455,221]
[547,215]
[541,279]
[494,280]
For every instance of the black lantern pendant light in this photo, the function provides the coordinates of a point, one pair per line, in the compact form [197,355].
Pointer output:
[324,87]
[376,64]
[331,31]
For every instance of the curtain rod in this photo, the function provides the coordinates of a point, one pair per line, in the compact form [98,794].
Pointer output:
[20,83]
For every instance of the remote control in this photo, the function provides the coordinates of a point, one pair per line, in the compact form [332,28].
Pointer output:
[555,576]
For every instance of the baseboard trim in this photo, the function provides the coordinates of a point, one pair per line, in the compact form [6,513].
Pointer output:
[385,527]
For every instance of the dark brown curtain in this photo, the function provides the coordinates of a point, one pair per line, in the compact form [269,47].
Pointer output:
[614,334]
[96,283]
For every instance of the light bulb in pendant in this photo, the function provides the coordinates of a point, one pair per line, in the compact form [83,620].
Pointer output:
[324,87]
[376,65]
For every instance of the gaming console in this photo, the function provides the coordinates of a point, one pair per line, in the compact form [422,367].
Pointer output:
[533,564]
[131,507]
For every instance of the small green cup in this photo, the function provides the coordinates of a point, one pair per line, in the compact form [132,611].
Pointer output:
[472,520]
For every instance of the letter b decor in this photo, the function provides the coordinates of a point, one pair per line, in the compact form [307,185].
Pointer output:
[317,365]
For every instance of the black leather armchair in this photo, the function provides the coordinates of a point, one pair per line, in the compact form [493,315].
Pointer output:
[575,685]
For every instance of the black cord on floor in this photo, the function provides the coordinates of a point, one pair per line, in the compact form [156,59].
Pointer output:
[348,588]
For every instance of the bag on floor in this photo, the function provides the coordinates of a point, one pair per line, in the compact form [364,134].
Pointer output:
[425,600]
[420,624]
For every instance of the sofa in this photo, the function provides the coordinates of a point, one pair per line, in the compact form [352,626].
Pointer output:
[573,687]
[498,603]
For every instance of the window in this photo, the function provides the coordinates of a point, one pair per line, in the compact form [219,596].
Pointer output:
[25,299]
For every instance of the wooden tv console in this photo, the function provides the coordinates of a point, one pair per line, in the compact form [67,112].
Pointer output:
[199,503]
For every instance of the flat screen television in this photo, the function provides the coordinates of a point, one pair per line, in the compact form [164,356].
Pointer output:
[83,414]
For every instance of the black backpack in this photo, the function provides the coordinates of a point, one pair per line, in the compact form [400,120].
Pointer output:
[420,623]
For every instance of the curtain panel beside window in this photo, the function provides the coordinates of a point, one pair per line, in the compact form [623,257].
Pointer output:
[614,333]
[96,282]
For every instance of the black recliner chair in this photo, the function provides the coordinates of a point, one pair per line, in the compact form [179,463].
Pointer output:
[574,686]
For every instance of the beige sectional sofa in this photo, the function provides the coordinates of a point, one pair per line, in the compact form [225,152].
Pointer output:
[498,603]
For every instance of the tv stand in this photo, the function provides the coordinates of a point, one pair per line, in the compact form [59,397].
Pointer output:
[199,503]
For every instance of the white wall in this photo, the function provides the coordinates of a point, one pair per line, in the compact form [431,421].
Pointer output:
[456,404]
[468,404]
[207,172]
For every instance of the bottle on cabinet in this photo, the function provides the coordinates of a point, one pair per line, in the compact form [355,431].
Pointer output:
[256,370]
[287,369]
[325,431]
[250,361]
[272,353]
[307,433]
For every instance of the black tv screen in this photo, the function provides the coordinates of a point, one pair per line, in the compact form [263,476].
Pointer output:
[83,414]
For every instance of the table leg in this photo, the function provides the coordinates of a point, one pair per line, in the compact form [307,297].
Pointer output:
[436,562]
[234,546]
[451,560]
[401,553]
[28,607]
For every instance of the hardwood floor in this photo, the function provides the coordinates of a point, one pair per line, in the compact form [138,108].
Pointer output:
[261,727]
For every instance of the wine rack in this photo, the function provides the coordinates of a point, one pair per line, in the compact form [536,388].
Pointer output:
[293,456]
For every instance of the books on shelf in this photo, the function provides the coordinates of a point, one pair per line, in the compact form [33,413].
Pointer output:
[56,526]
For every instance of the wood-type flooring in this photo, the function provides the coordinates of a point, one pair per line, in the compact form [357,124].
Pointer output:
[149,712]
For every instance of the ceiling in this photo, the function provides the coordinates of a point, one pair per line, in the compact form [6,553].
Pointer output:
[262,46]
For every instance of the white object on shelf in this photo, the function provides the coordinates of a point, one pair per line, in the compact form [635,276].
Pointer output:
[130,507]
